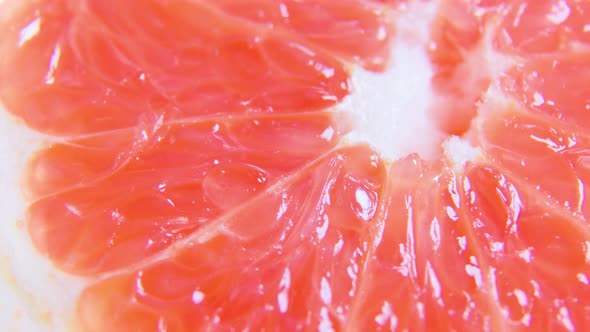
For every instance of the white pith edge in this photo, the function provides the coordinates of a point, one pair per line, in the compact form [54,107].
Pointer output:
[34,296]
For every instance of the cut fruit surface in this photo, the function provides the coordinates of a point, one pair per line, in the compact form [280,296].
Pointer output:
[343,27]
[287,263]
[201,166]
[107,65]
[470,251]
[92,194]
[553,86]
[474,41]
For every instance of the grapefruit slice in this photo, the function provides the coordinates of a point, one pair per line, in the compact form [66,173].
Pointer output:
[197,172]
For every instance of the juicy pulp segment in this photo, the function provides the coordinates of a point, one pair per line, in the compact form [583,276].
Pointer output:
[474,41]
[111,199]
[537,255]
[533,27]
[546,157]
[106,65]
[292,258]
[341,26]
[553,86]
[469,251]
[533,125]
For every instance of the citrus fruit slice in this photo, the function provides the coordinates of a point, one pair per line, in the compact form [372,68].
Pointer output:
[200,169]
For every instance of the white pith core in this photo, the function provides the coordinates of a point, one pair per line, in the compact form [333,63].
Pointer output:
[390,111]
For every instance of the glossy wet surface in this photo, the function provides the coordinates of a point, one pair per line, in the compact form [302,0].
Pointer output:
[195,174]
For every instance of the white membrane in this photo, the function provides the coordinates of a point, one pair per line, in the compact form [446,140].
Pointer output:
[391,109]
[459,152]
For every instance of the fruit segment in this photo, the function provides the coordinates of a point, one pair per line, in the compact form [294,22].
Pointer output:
[537,255]
[533,125]
[472,251]
[519,27]
[109,200]
[546,157]
[533,27]
[288,259]
[554,86]
[474,41]
[102,65]
[387,291]
[354,30]
[425,272]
